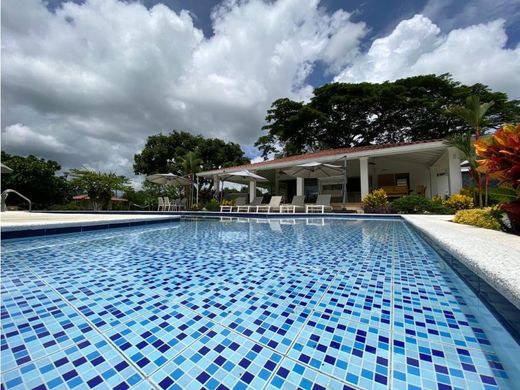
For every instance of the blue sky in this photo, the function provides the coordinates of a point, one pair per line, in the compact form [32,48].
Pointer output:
[86,82]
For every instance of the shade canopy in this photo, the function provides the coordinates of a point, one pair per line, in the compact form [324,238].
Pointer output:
[168,179]
[314,169]
[6,169]
[242,177]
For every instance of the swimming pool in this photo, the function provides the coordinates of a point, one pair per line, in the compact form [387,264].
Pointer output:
[237,303]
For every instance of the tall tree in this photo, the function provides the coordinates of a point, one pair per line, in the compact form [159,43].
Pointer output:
[343,115]
[190,165]
[35,178]
[161,148]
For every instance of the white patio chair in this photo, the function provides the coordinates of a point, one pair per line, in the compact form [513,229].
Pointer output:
[322,204]
[274,204]
[167,204]
[160,203]
[239,202]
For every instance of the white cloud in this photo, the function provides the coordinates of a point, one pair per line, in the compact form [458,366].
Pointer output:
[86,84]
[101,76]
[475,54]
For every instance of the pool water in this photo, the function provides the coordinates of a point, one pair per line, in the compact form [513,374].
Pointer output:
[239,303]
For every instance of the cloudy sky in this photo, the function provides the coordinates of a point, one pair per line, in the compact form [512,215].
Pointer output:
[85,82]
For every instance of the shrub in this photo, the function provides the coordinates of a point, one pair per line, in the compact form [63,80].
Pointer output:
[459,202]
[376,202]
[436,199]
[212,205]
[483,218]
[439,208]
[411,204]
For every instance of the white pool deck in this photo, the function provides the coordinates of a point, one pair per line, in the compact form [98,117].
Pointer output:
[22,220]
[492,255]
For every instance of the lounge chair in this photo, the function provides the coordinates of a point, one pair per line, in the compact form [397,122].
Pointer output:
[239,202]
[297,203]
[274,204]
[182,204]
[322,204]
[257,201]
[228,208]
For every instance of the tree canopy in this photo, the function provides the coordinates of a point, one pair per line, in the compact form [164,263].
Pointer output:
[99,186]
[211,153]
[36,179]
[346,115]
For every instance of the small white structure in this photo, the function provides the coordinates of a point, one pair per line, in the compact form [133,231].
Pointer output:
[425,167]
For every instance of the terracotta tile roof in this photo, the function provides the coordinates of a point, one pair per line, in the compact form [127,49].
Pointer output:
[323,153]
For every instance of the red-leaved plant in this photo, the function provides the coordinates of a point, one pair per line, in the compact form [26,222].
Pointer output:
[500,159]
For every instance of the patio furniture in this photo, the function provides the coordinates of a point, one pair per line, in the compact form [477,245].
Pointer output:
[395,191]
[182,204]
[167,204]
[238,202]
[421,190]
[257,201]
[160,203]
[322,204]
[298,202]
[274,204]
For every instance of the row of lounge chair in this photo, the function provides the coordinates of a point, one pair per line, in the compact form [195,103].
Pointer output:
[164,204]
[297,204]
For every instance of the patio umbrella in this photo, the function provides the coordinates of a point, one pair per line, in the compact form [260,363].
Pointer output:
[314,170]
[168,178]
[6,169]
[242,177]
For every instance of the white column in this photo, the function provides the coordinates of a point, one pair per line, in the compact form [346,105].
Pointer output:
[363,176]
[276,182]
[216,182]
[433,182]
[455,174]
[299,186]
[252,190]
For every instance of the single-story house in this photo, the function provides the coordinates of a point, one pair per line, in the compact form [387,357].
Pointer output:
[425,167]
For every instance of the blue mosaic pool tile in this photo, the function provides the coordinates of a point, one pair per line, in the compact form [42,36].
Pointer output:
[36,322]
[294,375]
[91,363]
[430,365]
[326,292]
[153,340]
[220,359]
[347,350]
[270,322]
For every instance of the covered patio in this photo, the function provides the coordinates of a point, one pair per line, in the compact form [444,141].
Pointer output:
[426,168]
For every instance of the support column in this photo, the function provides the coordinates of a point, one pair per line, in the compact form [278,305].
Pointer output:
[252,190]
[216,184]
[276,182]
[299,186]
[455,174]
[433,182]
[363,176]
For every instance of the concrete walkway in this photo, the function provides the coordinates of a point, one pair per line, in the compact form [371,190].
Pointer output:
[492,255]
[21,220]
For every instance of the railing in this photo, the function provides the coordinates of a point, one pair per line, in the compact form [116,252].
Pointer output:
[6,193]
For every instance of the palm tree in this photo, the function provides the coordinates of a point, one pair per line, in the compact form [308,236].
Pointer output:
[190,165]
[473,113]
